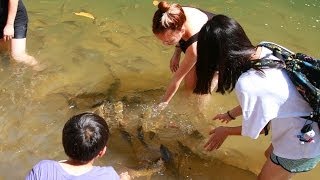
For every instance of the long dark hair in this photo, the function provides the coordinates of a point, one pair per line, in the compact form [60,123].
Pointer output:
[222,46]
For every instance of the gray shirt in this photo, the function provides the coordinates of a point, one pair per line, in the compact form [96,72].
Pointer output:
[48,169]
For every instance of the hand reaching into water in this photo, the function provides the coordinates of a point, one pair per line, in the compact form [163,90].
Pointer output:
[125,176]
[162,106]
[218,136]
[229,115]
[155,110]
[223,117]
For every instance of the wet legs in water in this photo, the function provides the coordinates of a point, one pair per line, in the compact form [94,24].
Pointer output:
[17,48]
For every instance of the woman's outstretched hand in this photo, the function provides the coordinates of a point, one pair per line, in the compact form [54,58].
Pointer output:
[125,176]
[223,117]
[162,106]
[218,136]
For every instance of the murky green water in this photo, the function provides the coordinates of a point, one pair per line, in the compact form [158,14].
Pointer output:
[115,57]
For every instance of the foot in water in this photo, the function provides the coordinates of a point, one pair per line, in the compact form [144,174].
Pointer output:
[39,67]
[29,61]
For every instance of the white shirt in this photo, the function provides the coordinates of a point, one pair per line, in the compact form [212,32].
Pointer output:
[272,96]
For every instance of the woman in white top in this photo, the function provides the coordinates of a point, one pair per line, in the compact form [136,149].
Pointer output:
[265,95]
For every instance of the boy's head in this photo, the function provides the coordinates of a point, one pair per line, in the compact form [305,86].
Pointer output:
[85,136]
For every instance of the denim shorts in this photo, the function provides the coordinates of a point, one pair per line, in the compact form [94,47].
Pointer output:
[295,165]
[20,31]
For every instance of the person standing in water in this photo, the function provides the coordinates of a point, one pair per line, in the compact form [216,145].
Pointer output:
[13,30]
[264,94]
[178,26]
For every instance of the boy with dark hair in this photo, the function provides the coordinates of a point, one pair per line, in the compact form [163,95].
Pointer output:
[84,138]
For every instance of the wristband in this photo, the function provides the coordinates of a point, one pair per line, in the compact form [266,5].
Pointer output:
[228,112]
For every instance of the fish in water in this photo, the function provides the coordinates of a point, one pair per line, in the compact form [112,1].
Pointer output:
[85,14]
[165,153]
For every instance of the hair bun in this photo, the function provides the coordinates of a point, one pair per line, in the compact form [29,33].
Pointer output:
[164,6]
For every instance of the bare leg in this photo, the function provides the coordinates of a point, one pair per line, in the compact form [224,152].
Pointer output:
[4,54]
[199,101]
[274,172]
[3,46]
[18,52]
[190,80]
[268,152]
[214,82]
[190,83]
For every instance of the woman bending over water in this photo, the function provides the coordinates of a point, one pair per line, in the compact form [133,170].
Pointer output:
[179,26]
[265,95]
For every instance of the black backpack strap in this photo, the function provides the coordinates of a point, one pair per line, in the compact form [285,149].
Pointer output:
[277,50]
[268,63]
[185,44]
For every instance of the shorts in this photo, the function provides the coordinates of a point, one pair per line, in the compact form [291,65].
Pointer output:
[20,31]
[295,165]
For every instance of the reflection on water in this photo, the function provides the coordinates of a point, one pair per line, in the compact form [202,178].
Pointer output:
[114,66]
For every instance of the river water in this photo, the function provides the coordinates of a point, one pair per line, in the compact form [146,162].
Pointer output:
[115,60]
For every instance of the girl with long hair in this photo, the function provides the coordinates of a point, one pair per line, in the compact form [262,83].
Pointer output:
[264,94]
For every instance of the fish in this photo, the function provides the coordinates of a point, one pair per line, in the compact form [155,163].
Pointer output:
[85,14]
[166,154]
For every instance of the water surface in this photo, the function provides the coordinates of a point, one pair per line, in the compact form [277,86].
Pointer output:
[116,58]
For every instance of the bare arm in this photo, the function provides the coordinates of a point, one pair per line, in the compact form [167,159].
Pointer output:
[220,134]
[188,62]
[229,115]
[175,59]
[236,111]
[12,11]
[8,30]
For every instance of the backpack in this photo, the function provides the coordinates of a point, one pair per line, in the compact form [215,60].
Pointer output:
[303,71]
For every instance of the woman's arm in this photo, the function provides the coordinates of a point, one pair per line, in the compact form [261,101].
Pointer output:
[186,65]
[12,11]
[229,115]
[8,30]
[219,135]
[175,59]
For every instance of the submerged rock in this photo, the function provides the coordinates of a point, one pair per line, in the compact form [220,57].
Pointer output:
[159,141]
